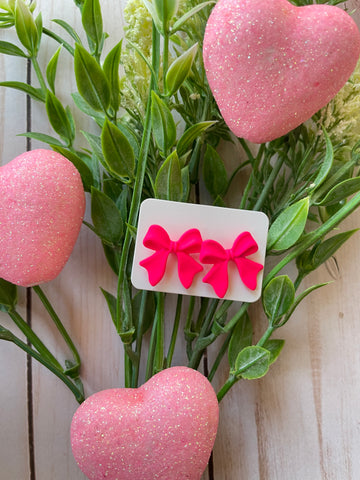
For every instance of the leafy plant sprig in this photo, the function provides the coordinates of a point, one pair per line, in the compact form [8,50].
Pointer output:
[141,150]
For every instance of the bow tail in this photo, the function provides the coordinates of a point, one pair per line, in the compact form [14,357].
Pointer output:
[155,266]
[248,270]
[217,277]
[188,267]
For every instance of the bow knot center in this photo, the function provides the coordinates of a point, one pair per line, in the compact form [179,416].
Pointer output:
[173,247]
[230,254]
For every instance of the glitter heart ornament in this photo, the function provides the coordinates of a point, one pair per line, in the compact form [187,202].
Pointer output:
[164,429]
[41,212]
[272,65]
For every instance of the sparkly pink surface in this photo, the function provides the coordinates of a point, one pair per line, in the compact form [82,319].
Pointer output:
[163,430]
[41,211]
[271,65]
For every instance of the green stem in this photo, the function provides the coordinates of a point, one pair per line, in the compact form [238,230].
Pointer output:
[245,195]
[127,367]
[247,150]
[298,280]
[40,293]
[151,350]
[165,59]
[226,387]
[139,338]
[78,392]
[235,318]
[160,334]
[174,331]
[266,336]
[269,184]
[219,357]
[34,339]
[204,332]
[39,74]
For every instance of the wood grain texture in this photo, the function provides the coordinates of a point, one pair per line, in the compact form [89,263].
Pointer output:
[13,371]
[301,421]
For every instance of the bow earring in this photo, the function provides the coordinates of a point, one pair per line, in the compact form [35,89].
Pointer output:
[158,239]
[217,277]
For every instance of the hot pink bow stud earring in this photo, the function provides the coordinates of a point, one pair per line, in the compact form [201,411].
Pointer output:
[213,252]
[158,239]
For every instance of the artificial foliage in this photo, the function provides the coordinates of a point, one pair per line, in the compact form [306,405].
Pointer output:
[158,129]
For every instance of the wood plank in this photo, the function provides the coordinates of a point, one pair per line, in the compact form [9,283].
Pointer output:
[13,393]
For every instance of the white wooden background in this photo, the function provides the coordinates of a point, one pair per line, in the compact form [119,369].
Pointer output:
[300,422]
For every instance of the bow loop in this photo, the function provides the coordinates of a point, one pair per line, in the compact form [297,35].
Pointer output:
[158,239]
[244,245]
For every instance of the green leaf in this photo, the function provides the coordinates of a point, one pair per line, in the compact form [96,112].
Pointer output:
[111,303]
[163,124]
[106,217]
[180,22]
[8,294]
[52,68]
[288,227]
[42,137]
[118,153]
[92,21]
[26,28]
[278,297]
[111,70]
[341,191]
[58,118]
[91,80]
[328,247]
[112,257]
[241,337]
[59,40]
[84,107]
[168,182]
[179,70]
[34,93]
[185,179]
[39,26]
[69,29]
[214,173]
[326,164]
[130,134]
[10,49]
[274,346]
[190,135]
[85,172]
[252,362]
[6,334]
[95,144]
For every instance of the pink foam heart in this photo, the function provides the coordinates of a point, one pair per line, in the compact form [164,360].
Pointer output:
[271,65]
[41,212]
[164,430]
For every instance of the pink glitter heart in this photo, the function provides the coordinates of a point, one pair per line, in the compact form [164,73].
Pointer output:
[41,212]
[163,430]
[271,65]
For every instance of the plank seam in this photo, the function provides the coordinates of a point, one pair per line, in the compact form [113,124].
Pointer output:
[29,372]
